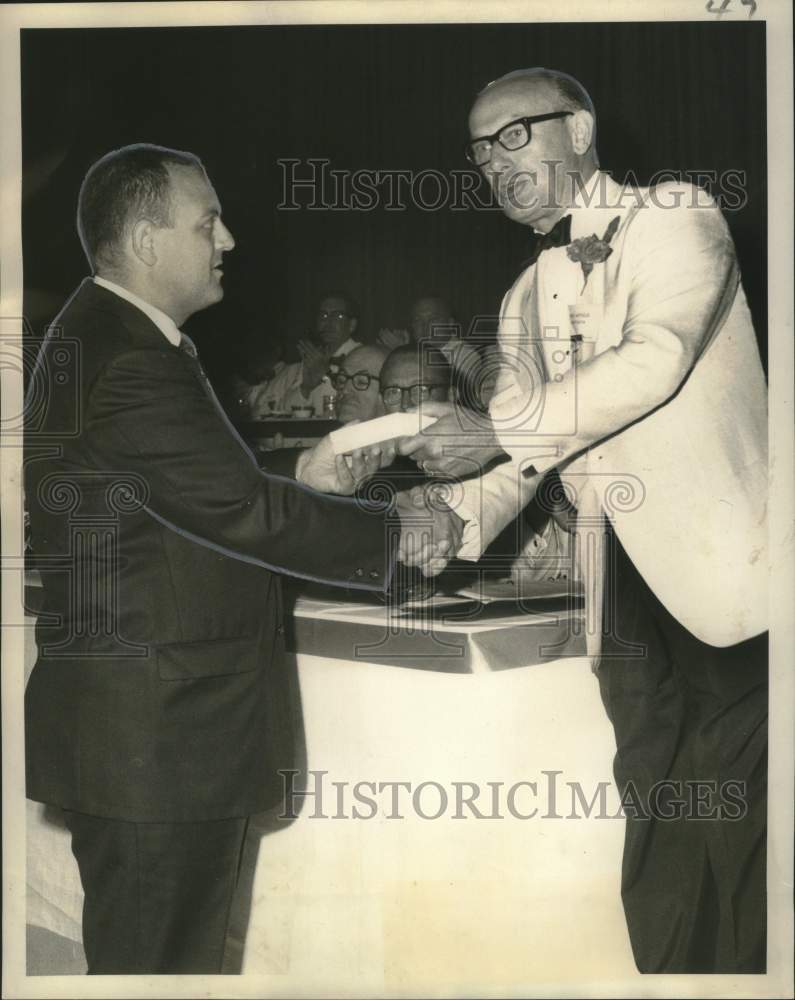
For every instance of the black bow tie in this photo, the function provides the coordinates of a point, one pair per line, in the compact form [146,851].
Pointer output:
[558,236]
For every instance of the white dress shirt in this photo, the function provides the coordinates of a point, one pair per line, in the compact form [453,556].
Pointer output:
[164,323]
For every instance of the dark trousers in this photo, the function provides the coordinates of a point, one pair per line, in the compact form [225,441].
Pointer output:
[157,895]
[693,717]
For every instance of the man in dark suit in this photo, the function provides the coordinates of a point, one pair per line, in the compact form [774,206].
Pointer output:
[160,642]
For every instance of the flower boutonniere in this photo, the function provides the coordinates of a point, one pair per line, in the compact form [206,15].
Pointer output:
[590,250]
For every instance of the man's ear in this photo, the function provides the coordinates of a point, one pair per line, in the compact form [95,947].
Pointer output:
[581,130]
[354,322]
[142,238]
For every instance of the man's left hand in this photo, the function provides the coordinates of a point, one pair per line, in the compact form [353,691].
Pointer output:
[459,443]
[321,469]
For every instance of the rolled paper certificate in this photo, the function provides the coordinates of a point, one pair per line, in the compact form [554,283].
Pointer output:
[376,431]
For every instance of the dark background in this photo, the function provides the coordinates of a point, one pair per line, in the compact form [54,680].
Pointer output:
[684,97]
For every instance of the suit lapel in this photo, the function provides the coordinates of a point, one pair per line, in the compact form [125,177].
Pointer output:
[92,296]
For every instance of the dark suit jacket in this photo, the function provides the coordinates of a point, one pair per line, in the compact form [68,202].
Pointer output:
[161,637]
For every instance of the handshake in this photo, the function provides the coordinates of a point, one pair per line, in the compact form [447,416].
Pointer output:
[430,530]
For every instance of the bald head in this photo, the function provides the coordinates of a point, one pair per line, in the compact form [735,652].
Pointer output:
[370,357]
[536,182]
[551,85]
[410,367]
[361,404]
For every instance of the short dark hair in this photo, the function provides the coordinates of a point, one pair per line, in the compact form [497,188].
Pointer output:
[440,300]
[351,305]
[131,182]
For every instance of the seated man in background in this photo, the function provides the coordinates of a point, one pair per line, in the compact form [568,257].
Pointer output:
[335,324]
[357,386]
[413,374]
[431,318]
[249,388]
[371,382]
[306,382]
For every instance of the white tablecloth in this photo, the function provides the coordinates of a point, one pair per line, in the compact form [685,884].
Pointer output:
[414,905]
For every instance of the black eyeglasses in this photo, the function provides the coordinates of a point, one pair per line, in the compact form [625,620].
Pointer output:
[360,380]
[514,135]
[333,314]
[418,393]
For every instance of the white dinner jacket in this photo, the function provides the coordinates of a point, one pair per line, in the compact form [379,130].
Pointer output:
[665,427]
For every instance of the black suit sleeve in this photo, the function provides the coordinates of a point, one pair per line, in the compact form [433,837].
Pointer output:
[149,413]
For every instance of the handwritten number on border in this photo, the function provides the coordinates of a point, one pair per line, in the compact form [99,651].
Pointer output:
[725,6]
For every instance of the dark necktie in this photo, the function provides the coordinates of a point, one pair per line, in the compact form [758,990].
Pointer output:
[187,345]
[558,236]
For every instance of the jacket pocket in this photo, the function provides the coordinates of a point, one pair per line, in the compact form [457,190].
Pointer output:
[182,661]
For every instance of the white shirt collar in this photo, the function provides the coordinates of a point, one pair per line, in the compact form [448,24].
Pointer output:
[164,323]
[346,348]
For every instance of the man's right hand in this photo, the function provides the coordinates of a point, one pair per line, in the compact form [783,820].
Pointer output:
[315,361]
[321,469]
[430,532]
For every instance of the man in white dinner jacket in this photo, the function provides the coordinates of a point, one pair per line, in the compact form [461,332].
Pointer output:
[633,369]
